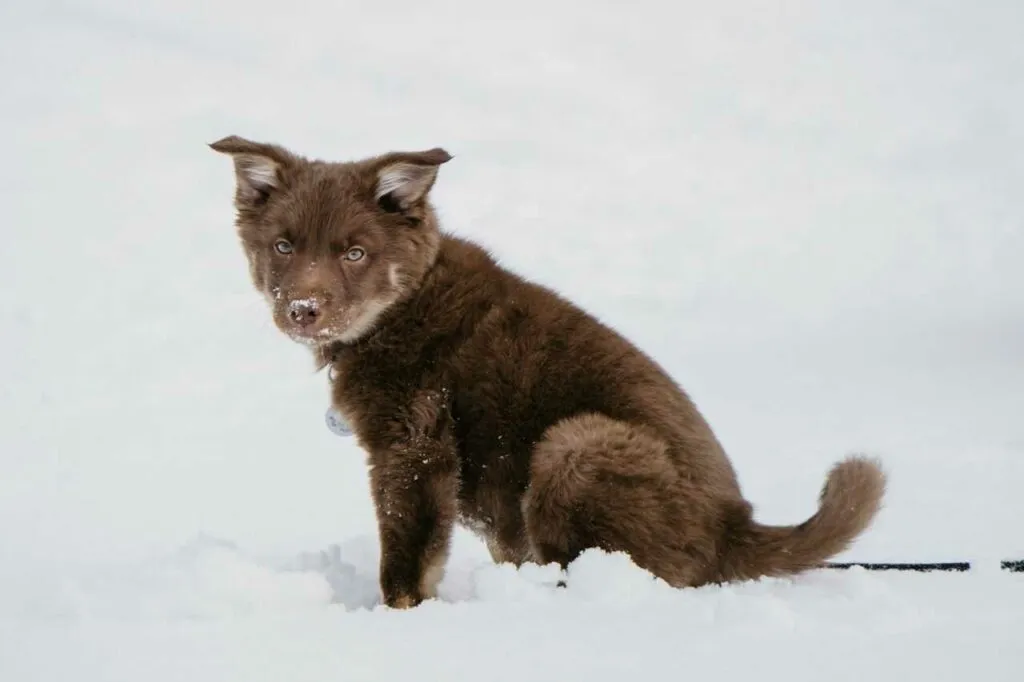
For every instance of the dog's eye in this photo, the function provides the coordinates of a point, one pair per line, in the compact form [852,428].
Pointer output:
[355,253]
[283,246]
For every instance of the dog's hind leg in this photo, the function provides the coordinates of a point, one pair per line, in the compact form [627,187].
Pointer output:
[600,482]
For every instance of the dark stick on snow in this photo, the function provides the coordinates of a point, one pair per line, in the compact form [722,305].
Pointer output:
[1014,566]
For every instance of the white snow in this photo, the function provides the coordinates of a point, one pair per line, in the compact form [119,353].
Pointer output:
[809,212]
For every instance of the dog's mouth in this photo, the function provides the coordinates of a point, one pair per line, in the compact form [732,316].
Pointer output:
[344,326]
[314,337]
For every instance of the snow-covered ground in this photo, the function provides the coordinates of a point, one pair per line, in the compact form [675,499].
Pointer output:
[809,212]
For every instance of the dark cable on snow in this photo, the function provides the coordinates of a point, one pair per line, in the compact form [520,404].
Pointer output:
[1013,566]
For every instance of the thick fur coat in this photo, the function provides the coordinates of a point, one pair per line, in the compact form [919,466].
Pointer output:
[487,400]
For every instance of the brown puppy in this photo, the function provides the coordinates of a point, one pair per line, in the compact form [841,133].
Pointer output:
[487,400]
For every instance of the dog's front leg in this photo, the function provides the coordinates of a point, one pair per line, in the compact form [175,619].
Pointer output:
[415,489]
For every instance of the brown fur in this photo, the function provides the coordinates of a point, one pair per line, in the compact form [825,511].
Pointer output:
[485,399]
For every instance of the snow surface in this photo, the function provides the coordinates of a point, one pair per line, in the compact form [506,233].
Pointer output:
[809,212]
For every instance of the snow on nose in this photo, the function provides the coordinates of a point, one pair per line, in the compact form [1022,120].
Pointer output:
[304,311]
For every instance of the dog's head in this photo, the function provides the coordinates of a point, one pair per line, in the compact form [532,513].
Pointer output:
[333,245]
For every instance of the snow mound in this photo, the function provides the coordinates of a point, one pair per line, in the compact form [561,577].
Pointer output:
[212,611]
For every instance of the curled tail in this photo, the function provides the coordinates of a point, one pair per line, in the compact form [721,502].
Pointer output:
[849,501]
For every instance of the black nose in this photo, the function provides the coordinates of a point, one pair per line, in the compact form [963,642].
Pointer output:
[304,312]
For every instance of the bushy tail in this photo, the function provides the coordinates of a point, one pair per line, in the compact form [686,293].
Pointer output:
[849,501]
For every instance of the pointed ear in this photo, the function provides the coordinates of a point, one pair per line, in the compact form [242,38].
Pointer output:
[258,168]
[404,178]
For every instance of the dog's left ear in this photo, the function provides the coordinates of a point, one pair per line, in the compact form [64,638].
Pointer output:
[258,168]
[404,178]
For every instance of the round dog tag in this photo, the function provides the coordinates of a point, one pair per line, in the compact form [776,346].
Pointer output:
[337,423]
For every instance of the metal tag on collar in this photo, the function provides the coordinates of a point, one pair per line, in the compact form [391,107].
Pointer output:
[337,423]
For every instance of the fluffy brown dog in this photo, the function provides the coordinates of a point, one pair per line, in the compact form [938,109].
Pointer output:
[484,399]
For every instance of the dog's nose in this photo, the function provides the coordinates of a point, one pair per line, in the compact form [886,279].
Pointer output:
[304,312]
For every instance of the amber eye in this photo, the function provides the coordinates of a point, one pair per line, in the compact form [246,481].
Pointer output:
[355,253]
[283,246]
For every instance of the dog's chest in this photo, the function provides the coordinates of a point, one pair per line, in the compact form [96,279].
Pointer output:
[367,397]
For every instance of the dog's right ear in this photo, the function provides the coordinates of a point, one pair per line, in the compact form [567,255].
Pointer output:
[258,168]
